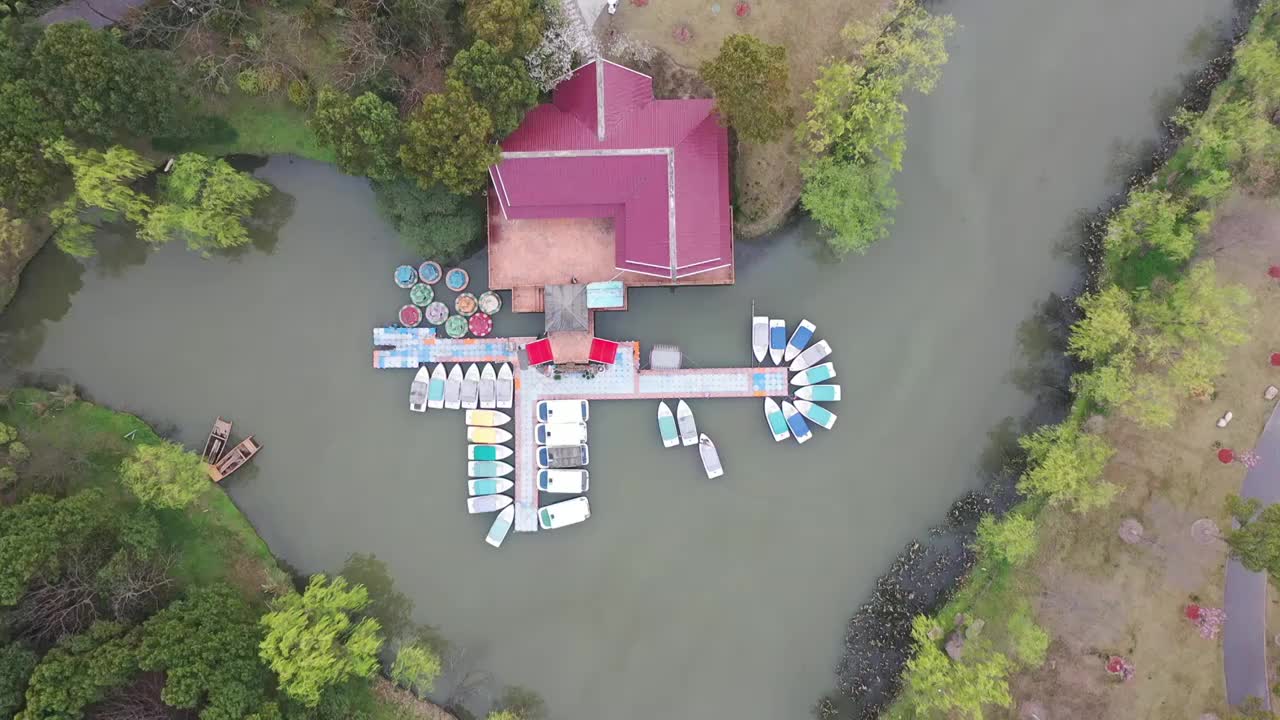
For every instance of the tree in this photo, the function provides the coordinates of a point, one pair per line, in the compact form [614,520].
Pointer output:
[313,641]
[750,82]
[432,221]
[1029,641]
[81,670]
[1012,539]
[1258,63]
[1256,542]
[852,202]
[204,201]
[364,132]
[391,608]
[1154,220]
[1065,467]
[551,63]
[416,668]
[499,83]
[102,181]
[1107,325]
[164,475]
[448,140]
[16,664]
[39,533]
[937,684]
[96,85]
[512,27]
[25,126]
[207,647]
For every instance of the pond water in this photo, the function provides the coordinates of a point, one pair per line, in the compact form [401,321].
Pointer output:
[679,594]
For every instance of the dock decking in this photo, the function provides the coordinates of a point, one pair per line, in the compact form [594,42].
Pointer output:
[623,380]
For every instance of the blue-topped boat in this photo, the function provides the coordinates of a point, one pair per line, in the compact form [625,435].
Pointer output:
[801,337]
[795,421]
[777,339]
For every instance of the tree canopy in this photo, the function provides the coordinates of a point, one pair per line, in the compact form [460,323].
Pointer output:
[416,668]
[1066,467]
[315,641]
[81,670]
[364,132]
[38,534]
[512,27]
[750,81]
[499,83]
[432,221]
[164,475]
[102,181]
[1011,539]
[16,665]
[448,140]
[938,684]
[204,201]
[1256,542]
[853,202]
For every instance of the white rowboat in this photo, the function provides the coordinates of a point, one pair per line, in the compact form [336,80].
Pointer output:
[488,387]
[471,388]
[489,486]
[759,336]
[489,452]
[505,387]
[815,374]
[817,414]
[777,339]
[810,357]
[488,435]
[801,337]
[819,393]
[435,390]
[488,468]
[453,389]
[501,526]
[564,513]
[667,426]
[777,421]
[710,458]
[487,503]
[688,427]
[418,390]
[487,418]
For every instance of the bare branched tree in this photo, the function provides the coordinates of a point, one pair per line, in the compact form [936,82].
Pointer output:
[56,608]
[139,701]
[136,589]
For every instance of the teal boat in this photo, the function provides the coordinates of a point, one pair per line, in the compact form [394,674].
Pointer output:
[501,526]
[667,426]
[488,452]
[819,393]
[777,421]
[817,414]
[815,374]
[435,389]
[489,486]
[488,468]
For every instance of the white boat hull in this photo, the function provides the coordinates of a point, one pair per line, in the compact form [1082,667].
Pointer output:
[435,390]
[563,514]
[560,434]
[487,503]
[799,338]
[816,414]
[816,374]
[505,387]
[563,411]
[795,421]
[710,457]
[688,426]
[487,418]
[667,426]
[488,468]
[453,389]
[777,422]
[811,357]
[471,389]
[489,486]
[819,393]
[488,435]
[418,390]
[777,340]
[564,481]
[488,387]
[501,526]
[760,337]
[488,451]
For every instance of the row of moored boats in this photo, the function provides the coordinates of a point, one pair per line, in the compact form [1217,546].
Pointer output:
[455,389]
[791,417]
[681,428]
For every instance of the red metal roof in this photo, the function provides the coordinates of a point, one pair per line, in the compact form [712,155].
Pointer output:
[539,351]
[604,147]
[603,351]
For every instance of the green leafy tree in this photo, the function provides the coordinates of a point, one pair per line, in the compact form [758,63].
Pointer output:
[18,452]
[38,534]
[416,668]
[8,434]
[750,82]
[936,684]
[500,83]
[1029,641]
[102,181]
[164,475]
[205,202]
[207,647]
[1258,63]
[448,140]
[852,202]
[364,132]
[314,640]
[26,125]
[1154,220]
[512,27]
[391,608]
[81,670]
[16,664]
[1256,542]
[1066,467]
[96,85]
[432,221]
[1107,325]
[1012,539]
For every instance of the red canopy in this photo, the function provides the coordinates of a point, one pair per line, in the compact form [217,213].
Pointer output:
[539,351]
[603,351]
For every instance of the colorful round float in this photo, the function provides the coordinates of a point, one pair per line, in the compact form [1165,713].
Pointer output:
[455,326]
[436,313]
[466,304]
[490,302]
[429,272]
[457,279]
[410,316]
[480,324]
[421,294]
[406,276]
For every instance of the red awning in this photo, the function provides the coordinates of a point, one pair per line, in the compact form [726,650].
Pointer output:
[539,352]
[603,351]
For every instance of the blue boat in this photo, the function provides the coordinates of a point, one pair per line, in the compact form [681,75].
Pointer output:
[801,337]
[795,421]
[777,339]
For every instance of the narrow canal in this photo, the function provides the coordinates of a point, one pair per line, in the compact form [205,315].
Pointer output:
[679,593]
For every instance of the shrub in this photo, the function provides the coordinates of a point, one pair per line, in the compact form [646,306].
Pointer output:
[300,93]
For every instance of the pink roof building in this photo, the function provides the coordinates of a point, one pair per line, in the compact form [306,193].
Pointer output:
[649,176]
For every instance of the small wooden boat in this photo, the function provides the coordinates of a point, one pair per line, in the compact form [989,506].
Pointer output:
[506,386]
[490,435]
[435,389]
[488,387]
[501,526]
[564,481]
[488,468]
[489,452]
[810,357]
[471,388]
[489,486]
[487,418]
[801,337]
[560,433]
[815,374]
[568,512]
[759,336]
[453,388]
[795,421]
[777,339]
[570,456]
[487,503]
[234,459]
[819,393]
[817,414]
[710,458]
[555,411]
[688,427]
[418,390]
[777,421]
[667,425]
[219,436]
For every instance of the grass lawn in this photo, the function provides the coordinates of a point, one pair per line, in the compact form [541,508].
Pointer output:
[268,125]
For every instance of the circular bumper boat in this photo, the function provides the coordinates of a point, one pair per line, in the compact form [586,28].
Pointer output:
[465,304]
[480,324]
[457,279]
[437,312]
[406,276]
[455,326]
[429,272]
[410,316]
[490,302]
[421,294]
